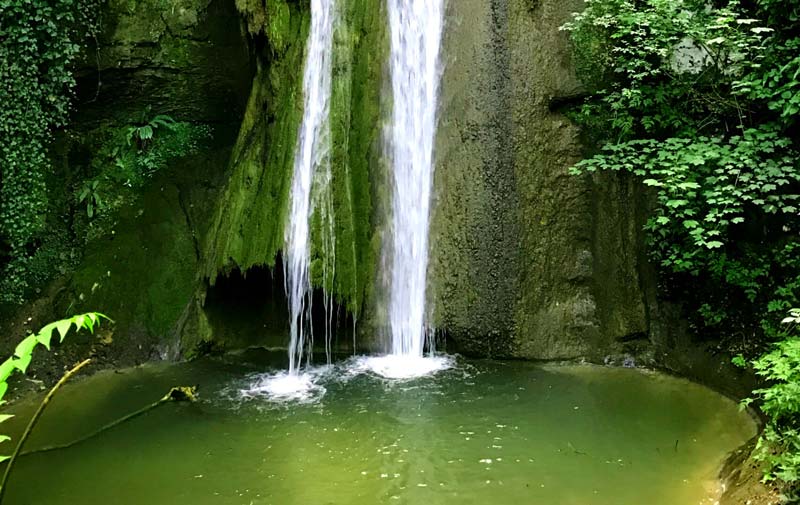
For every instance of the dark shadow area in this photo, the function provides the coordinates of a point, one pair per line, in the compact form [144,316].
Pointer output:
[250,309]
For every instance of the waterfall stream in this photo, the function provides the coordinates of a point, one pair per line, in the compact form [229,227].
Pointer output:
[416,33]
[310,202]
[416,37]
[310,182]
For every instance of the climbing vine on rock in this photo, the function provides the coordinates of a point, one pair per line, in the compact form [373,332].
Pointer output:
[39,41]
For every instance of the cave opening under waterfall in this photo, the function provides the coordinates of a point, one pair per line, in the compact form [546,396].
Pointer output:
[250,309]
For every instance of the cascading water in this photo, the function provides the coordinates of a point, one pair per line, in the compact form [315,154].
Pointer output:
[416,36]
[311,164]
[416,33]
[310,193]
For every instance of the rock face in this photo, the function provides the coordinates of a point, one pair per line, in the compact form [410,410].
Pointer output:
[188,59]
[185,58]
[529,261]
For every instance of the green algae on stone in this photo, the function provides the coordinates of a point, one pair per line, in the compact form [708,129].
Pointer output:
[360,48]
[251,217]
[248,226]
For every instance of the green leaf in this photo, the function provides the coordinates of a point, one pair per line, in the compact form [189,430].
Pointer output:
[23,362]
[146,132]
[25,348]
[6,369]
[5,417]
[80,321]
[3,389]
[45,334]
[63,327]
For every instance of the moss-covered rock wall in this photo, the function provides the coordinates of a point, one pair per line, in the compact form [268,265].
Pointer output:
[248,224]
[190,60]
[250,217]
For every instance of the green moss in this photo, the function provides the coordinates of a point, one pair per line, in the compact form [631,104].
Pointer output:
[361,47]
[140,273]
[251,216]
[248,226]
[279,25]
[273,18]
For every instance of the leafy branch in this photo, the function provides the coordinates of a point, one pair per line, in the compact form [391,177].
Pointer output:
[23,353]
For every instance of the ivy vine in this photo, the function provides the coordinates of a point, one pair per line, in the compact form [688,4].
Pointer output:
[39,42]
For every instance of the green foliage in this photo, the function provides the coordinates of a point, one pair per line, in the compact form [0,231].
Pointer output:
[705,186]
[39,40]
[662,65]
[128,156]
[24,351]
[778,448]
[699,100]
[125,158]
[90,197]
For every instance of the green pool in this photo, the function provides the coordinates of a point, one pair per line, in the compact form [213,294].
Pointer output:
[480,433]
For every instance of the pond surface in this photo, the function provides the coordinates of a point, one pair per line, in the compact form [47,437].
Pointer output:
[480,433]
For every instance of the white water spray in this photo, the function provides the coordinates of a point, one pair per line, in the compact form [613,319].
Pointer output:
[312,172]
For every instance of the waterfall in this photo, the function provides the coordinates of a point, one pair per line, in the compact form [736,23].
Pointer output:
[416,33]
[310,190]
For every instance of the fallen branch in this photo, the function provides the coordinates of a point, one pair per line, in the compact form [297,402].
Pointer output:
[176,394]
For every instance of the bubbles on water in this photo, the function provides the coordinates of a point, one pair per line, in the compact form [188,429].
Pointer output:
[400,366]
[309,386]
[287,387]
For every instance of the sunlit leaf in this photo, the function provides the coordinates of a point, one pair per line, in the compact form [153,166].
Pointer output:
[6,369]
[25,348]
[45,334]
[23,362]
[63,328]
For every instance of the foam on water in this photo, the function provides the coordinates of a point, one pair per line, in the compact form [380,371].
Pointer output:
[287,387]
[395,366]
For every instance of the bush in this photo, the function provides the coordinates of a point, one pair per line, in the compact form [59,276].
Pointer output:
[778,448]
